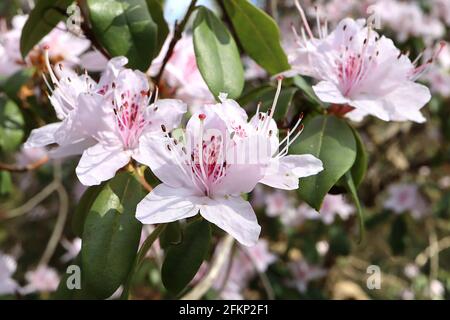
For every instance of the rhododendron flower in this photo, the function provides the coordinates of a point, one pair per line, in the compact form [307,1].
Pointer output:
[66,48]
[42,279]
[284,170]
[332,205]
[356,67]
[73,248]
[205,172]
[119,122]
[7,268]
[304,273]
[406,198]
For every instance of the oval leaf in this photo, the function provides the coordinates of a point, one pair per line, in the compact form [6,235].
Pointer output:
[217,55]
[331,140]
[11,125]
[183,260]
[171,235]
[156,10]
[111,235]
[359,168]
[43,18]
[125,28]
[259,35]
[83,207]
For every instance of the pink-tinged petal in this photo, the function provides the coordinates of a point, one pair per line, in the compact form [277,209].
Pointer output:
[159,154]
[43,136]
[405,102]
[167,112]
[72,149]
[93,61]
[285,172]
[167,204]
[374,107]
[100,163]
[235,216]
[303,165]
[356,115]
[328,92]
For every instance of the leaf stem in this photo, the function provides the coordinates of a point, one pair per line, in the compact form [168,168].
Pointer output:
[178,33]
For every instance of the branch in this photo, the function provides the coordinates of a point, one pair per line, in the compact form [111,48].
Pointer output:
[28,167]
[178,32]
[207,282]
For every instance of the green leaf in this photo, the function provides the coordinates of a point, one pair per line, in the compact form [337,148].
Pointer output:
[352,189]
[156,10]
[359,168]
[308,90]
[259,35]
[11,125]
[217,55]
[125,28]
[171,235]
[43,18]
[11,85]
[265,95]
[183,260]
[331,140]
[83,207]
[5,183]
[111,235]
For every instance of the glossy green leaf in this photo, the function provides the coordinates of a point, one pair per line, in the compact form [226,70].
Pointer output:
[125,28]
[83,207]
[259,35]
[331,140]
[171,235]
[156,10]
[111,235]
[11,125]
[217,55]
[359,168]
[183,260]
[42,19]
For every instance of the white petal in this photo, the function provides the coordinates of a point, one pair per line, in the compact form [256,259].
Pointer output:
[168,112]
[43,136]
[100,163]
[374,106]
[166,204]
[304,165]
[71,149]
[328,92]
[235,216]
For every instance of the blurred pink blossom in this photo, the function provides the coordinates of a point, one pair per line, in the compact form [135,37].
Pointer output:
[8,266]
[42,279]
[406,198]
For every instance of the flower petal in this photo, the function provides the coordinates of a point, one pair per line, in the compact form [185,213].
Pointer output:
[166,204]
[235,216]
[100,163]
[165,111]
[328,92]
[43,136]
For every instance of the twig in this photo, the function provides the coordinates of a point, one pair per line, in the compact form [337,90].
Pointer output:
[207,282]
[59,226]
[177,34]
[28,167]
[441,245]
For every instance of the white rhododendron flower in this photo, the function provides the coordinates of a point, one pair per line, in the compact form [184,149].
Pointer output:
[66,48]
[42,279]
[7,268]
[303,274]
[73,248]
[356,67]
[332,205]
[406,198]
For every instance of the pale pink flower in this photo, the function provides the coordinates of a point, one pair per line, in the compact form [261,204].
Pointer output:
[356,67]
[277,203]
[411,270]
[27,156]
[72,248]
[252,70]
[181,73]
[436,290]
[406,198]
[42,279]
[332,205]
[8,267]
[407,294]
[203,173]
[303,273]
[66,48]
[441,9]
[322,247]
[438,75]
